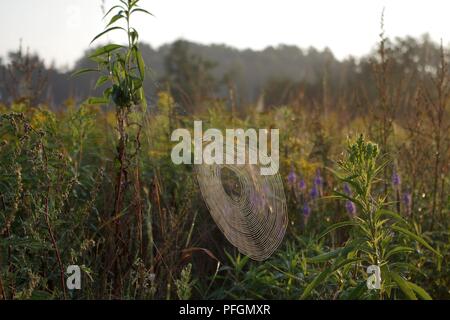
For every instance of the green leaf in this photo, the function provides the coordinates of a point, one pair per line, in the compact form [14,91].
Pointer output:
[415,237]
[335,173]
[40,295]
[140,63]
[324,275]
[84,70]
[389,213]
[134,36]
[136,83]
[339,264]
[110,10]
[355,201]
[101,81]
[357,291]
[340,252]
[106,31]
[143,99]
[355,185]
[406,267]
[403,285]
[336,226]
[398,249]
[107,93]
[105,49]
[115,18]
[381,167]
[96,101]
[325,256]
[133,3]
[419,290]
[141,10]
[317,280]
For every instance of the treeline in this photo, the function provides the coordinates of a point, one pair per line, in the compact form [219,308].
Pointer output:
[283,75]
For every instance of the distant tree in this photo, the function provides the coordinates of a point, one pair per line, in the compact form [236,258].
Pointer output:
[280,91]
[188,75]
[25,78]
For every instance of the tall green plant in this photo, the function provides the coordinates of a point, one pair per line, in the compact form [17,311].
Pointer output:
[377,236]
[122,66]
[123,69]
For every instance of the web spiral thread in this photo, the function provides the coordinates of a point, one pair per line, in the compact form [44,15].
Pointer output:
[254,221]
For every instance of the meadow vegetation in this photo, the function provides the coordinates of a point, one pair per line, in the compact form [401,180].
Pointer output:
[366,176]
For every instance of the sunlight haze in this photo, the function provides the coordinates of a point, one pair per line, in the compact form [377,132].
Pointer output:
[60,30]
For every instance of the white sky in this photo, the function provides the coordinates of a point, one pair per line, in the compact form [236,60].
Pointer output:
[59,30]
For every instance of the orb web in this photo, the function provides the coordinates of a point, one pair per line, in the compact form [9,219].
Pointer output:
[254,219]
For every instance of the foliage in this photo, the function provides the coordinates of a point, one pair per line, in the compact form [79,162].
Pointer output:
[184,284]
[377,237]
[122,66]
[96,187]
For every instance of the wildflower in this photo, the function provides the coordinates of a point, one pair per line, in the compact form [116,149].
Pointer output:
[350,207]
[347,189]
[318,180]
[407,201]
[292,177]
[306,210]
[302,185]
[396,179]
[314,192]
[306,213]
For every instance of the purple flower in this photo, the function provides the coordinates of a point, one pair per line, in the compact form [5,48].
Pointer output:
[318,180]
[302,185]
[314,192]
[292,177]
[347,189]
[396,179]
[407,201]
[350,207]
[306,210]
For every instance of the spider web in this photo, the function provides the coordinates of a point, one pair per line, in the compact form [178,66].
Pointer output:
[255,219]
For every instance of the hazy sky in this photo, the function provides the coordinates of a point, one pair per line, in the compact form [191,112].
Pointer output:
[59,30]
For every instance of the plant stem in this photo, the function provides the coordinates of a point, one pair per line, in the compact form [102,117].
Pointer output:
[49,227]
